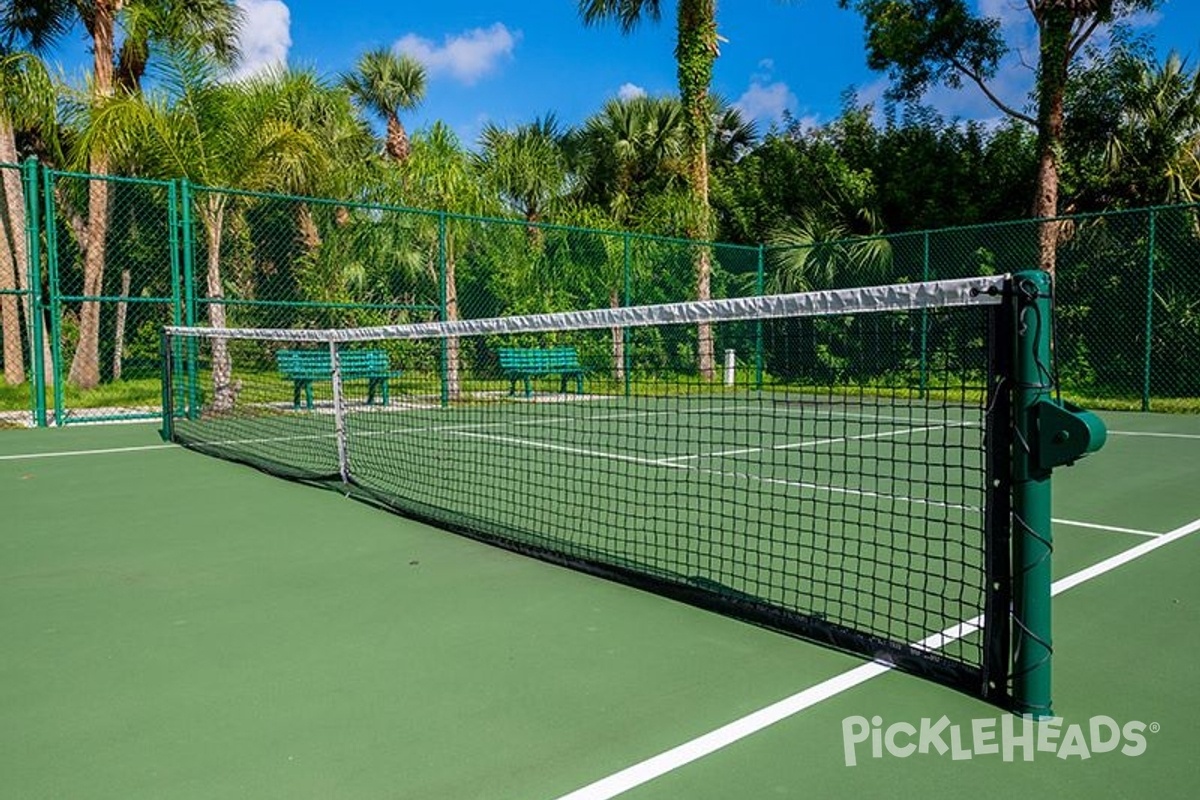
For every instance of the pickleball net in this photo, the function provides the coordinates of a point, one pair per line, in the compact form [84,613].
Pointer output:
[839,469]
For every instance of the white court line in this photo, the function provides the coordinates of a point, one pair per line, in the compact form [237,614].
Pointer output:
[683,754]
[566,449]
[1072,523]
[810,443]
[332,433]
[817,413]
[721,409]
[99,451]
[1157,435]
[818,487]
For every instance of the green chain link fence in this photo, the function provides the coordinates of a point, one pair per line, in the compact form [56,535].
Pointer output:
[24,340]
[82,300]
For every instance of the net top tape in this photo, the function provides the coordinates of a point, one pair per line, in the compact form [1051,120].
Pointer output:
[983,291]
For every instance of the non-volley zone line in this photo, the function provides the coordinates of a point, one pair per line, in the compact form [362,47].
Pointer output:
[812,443]
[564,419]
[332,434]
[681,755]
[668,463]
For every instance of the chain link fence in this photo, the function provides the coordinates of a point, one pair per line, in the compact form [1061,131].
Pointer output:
[83,298]
[24,342]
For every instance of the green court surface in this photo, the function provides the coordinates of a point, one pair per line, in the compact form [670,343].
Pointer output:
[179,626]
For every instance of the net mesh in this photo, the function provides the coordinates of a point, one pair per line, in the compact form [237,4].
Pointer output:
[833,479]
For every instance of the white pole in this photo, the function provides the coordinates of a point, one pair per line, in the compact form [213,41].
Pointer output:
[730,366]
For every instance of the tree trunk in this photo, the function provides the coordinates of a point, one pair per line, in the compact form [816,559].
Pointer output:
[618,341]
[14,197]
[10,318]
[310,235]
[396,145]
[119,335]
[695,52]
[85,367]
[224,392]
[1055,56]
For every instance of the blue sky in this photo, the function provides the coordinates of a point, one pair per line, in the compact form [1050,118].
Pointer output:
[509,62]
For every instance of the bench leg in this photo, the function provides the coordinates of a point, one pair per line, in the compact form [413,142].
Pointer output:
[371,383]
[562,385]
[579,384]
[296,386]
[528,387]
[308,395]
[384,392]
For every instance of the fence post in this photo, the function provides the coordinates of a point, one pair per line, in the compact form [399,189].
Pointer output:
[173,225]
[627,267]
[33,249]
[189,294]
[50,204]
[1149,311]
[760,282]
[443,306]
[924,318]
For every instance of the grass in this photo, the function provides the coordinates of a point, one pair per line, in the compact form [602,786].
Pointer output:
[135,392]
[147,392]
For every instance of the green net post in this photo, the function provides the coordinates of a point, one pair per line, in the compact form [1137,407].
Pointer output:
[1032,542]
[760,282]
[1047,433]
[1149,332]
[37,347]
[443,307]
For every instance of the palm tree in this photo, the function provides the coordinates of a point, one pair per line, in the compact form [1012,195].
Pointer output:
[440,175]
[817,250]
[733,134]
[327,113]
[217,134]
[1157,139]
[696,49]
[525,166]
[26,100]
[204,26]
[626,153]
[199,26]
[385,82]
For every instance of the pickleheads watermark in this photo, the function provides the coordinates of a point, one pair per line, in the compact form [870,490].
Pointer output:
[1008,737]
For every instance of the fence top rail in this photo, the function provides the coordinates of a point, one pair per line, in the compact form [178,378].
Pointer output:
[125,179]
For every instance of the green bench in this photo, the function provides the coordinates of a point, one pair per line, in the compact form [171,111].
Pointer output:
[526,363]
[303,367]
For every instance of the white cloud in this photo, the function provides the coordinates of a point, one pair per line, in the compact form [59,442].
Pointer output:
[630,91]
[765,102]
[265,36]
[466,57]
